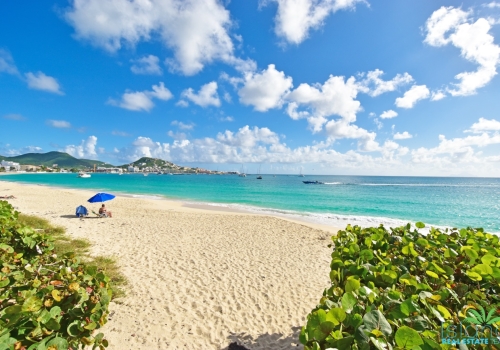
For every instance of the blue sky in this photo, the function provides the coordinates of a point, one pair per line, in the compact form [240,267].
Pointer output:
[332,86]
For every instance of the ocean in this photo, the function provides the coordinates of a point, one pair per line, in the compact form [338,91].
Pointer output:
[358,200]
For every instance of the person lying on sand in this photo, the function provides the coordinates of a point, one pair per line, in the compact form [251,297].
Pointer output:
[7,197]
[103,211]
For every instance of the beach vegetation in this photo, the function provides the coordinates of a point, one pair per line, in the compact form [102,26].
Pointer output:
[401,289]
[47,300]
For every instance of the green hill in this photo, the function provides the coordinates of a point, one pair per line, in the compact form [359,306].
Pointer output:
[63,160]
[156,163]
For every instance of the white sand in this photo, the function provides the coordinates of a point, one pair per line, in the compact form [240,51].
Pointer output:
[197,278]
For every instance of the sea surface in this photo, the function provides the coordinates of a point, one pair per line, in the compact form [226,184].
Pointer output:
[360,200]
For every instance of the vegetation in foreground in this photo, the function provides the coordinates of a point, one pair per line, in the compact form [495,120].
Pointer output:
[49,299]
[404,290]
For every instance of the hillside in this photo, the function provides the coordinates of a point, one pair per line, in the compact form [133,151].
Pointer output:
[156,163]
[63,160]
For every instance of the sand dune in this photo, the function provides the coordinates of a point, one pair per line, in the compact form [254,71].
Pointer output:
[198,279]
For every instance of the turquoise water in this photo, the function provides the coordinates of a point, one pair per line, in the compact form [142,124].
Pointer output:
[366,200]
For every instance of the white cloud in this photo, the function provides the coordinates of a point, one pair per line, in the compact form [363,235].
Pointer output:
[342,129]
[335,97]
[86,149]
[412,96]
[142,100]
[375,86]
[402,136]
[120,133]
[265,90]
[437,95]
[485,125]
[61,124]
[177,135]
[148,65]
[226,119]
[14,116]
[227,97]
[11,152]
[388,114]
[473,39]
[7,64]
[295,18]
[207,96]
[197,31]
[378,123]
[182,125]
[40,81]
[492,5]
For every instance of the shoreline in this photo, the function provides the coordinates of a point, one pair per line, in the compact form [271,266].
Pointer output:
[331,222]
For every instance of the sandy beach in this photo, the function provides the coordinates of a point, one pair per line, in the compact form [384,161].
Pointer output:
[197,278]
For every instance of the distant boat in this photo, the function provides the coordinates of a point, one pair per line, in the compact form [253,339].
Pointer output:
[301,175]
[313,182]
[145,174]
[242,174]
[84,175]
[259,177]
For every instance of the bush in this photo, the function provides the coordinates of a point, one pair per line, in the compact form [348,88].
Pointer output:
[46,302]
[404,290]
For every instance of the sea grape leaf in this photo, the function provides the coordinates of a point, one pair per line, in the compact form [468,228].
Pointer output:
[408,307]
[352,285]
[348,302]
[407,337]
[376,320]
[419,224]
[482,269]
[32,304]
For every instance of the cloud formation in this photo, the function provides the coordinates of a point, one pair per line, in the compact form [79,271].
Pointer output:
[7,64]
[147,65]
[197,31]
[183,126]
[206,96]
[40,81]
[295,18]
[402,136]
[375,86]
[388,114]
[14,116]
[60,124]
[86,149]
[142,100]
[412,96]
[450,25]
[265,90]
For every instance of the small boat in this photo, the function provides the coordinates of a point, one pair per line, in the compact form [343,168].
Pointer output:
[301,175]
[259,177]
[145,174]
[313,182]
[84,175]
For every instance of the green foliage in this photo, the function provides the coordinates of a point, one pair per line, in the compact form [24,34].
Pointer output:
[47,302]
[397,289]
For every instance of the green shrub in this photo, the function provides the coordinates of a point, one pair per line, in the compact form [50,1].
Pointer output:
[47,302]
[405,290]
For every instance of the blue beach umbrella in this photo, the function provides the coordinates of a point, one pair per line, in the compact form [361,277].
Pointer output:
[101,197]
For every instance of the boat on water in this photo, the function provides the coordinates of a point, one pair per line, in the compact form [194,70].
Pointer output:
[301,175]
[84,175]
[313,182]
[259,177]
[145,174]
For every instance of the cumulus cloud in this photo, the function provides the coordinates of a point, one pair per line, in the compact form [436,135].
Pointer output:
[492,5]
[182,125]
[148,65]
[295,18]
[402,136]
[485,125]
[206,96]
[437,95]
[60,124]
[374,85]
[412,96]
[14,116]
[11,152]
[197,31]
[142,100]
[40,81]
[449,25]
[7,64]
[265,90]
[342,129]
[86,149]
[388,114]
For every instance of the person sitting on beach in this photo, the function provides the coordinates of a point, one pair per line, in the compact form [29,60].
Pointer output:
[105,212]
[8,197]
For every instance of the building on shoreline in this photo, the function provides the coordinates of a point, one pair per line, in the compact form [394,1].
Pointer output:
[10,166]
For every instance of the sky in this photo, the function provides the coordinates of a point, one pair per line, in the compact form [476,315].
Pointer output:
[347,87]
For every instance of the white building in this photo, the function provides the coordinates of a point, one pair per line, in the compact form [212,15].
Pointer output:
[10,166]
[133,169]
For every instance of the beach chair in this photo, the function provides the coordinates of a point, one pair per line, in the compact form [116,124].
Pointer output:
[103,215]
